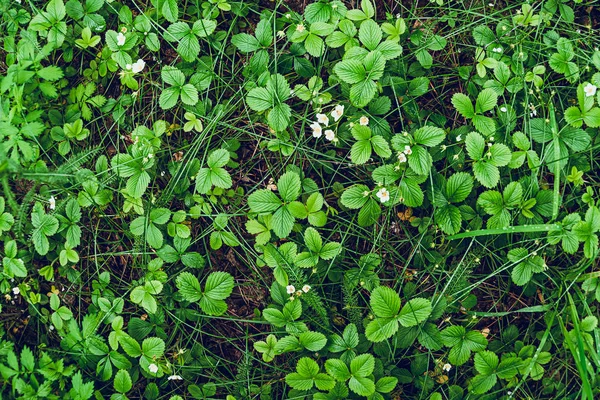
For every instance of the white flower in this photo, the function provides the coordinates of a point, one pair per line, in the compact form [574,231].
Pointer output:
[503,109]
[364,121]
[153,368]
[317,131]
[288,15]
[402,157]
[447,367]
[128,66]
[175,378]
[138,66]
[322,119]
[383,195]
[305,288]
[491,138]
[329,135]
[337,112]
[589,90]
[497,49]
[16,290]
[120,39]
[458,138]
[290,289]
[52,202]
[407,150]
[300,27]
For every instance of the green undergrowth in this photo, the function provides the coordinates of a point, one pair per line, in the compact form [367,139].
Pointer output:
[277,200]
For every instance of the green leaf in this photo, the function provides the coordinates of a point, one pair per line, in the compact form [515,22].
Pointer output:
[362,386]
[362,93]
[218,285]
[189,287]
[463,105]
[170,10]
[189,94]
[414,312]
[429,136]
[385,302]
[355,196]
[264,200]
[475,144]
[381,146]
[283,222]
[259,99]
[122,381]
[486,100]
[360,152]
[362,366]
[458,187]
[312,341]
[420,160]
[289,186]
[279,117]
[168,98]
[153,347]
[370,34]
[245,43]
[350,71]
[486,173]
[448,218]
[381,328]
[337,369]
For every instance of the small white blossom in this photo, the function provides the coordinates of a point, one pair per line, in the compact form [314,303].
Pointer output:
[300,27]
[491,138]
[337,112]
[317,131]
[447,367]
[407,150]
[323,119]
[290,289]
[329,135]
[589,90]
[458,138]
[497,49]
[402,157]
[52,202]
[383,195]
[153,368]
[121,39]
[138,66]
[305,288]
[364,121]
[175,378]
[503,109]
[16,290]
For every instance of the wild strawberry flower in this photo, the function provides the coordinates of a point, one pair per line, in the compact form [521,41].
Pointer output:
[153,368]
[458,138]
[337,112]
[329,135]
[317,131]
[290,289]
[175,378]
[322,119]
[589,90]
[16,290]
[138,66]
[407,150]
[383,195]
[447,367]
[121,39]
[305,288]
[402,157]
[503,109]
[364,121]
[300,27]
[52,202]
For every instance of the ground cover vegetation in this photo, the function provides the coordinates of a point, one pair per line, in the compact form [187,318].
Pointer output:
[216,199]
